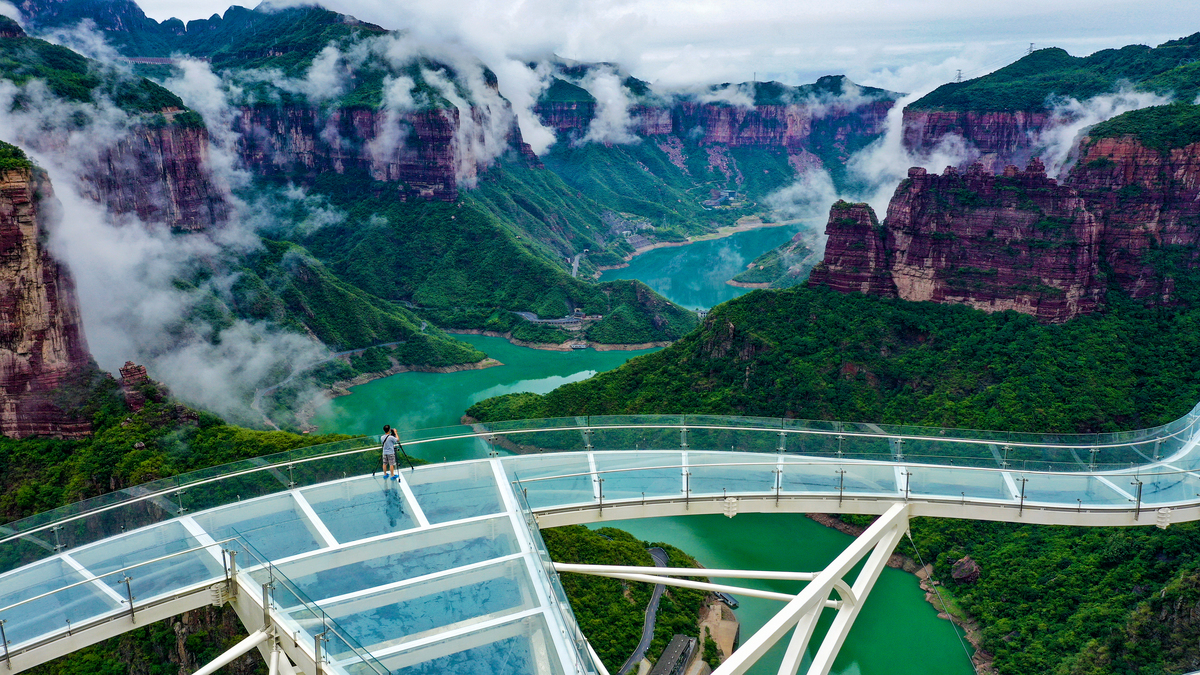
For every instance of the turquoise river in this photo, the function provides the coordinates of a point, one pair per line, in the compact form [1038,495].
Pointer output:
[898,632]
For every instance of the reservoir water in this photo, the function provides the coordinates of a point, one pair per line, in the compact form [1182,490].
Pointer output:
[694,275]
[898,633]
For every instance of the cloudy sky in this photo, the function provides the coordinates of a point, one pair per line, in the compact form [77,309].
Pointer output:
[904,46]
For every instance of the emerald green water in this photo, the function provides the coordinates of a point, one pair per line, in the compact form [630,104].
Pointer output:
[694,275]
[411,401]
[897,633]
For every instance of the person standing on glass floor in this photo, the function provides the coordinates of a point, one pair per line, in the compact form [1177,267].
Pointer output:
[388,440]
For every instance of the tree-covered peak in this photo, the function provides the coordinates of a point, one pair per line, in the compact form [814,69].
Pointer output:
[1034,81]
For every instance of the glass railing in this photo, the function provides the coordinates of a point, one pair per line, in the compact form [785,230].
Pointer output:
[98,518]
[577,642]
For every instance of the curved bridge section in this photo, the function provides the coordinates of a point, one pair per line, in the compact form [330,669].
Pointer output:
[443,571]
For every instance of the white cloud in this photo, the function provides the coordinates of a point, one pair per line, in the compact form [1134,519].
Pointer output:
[611,123]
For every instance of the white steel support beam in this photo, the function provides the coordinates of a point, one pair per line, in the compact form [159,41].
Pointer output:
[836,636]
[801,634]
[235,651]
[894,520]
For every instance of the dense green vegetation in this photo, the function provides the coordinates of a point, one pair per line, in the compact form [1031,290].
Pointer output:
[72,77]
[611,612]
[41,474]
[1067,601]
[12,157]
[1028,83]
[469,263]
[1162,128]
[815,354]
[782,267]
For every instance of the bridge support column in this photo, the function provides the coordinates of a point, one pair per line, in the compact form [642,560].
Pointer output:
[802,612]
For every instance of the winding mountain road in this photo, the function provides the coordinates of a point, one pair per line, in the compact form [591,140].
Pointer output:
[660,560]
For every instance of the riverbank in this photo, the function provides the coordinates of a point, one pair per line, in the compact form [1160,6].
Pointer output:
[563,347]
[974,632]
[742,225]
[342,387]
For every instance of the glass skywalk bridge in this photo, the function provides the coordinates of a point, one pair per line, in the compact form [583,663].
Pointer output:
[444,571]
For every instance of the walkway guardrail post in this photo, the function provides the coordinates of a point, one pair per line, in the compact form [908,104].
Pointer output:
[907,483]
[4,641]
[57,542]
[1092,461]
[318,641]
[179,500]
[291,478]
[128,581]
[840,439]
[899,455]
[1137,509]
[1021,510]
[841,485]
[266,602]
[231,585]
[782,442]
[1004,461]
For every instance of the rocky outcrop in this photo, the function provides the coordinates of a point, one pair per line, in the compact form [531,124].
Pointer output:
[965,570]
[1127,217]
[856,256]
[41,334]
[992,139]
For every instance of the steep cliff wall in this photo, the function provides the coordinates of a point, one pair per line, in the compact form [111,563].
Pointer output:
[161,174]
[856,255]
[1126,217]
[994,139]
[41,334]
[795,127]
[1149,203]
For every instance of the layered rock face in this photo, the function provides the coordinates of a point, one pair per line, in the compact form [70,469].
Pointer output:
[1149,203]
[429,152]
[856,255]
[1126,217]
[160,174]
[41,333]
[992,139]
[797,128]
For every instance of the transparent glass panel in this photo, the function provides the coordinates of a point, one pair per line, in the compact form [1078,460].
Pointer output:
[523,647]
[1067,489]
[274,525]
[654,474]
[361,508]
[957,483]
[51,613]
[395,559]
[454,492]
[715,473]
[150,580]
[381,619]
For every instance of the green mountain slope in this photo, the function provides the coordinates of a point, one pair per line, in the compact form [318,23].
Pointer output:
[1170,68]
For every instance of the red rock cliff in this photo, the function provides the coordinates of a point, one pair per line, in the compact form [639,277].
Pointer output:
[993,139]
[797,128]
[1126,217]
[161,174]
[41,334]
